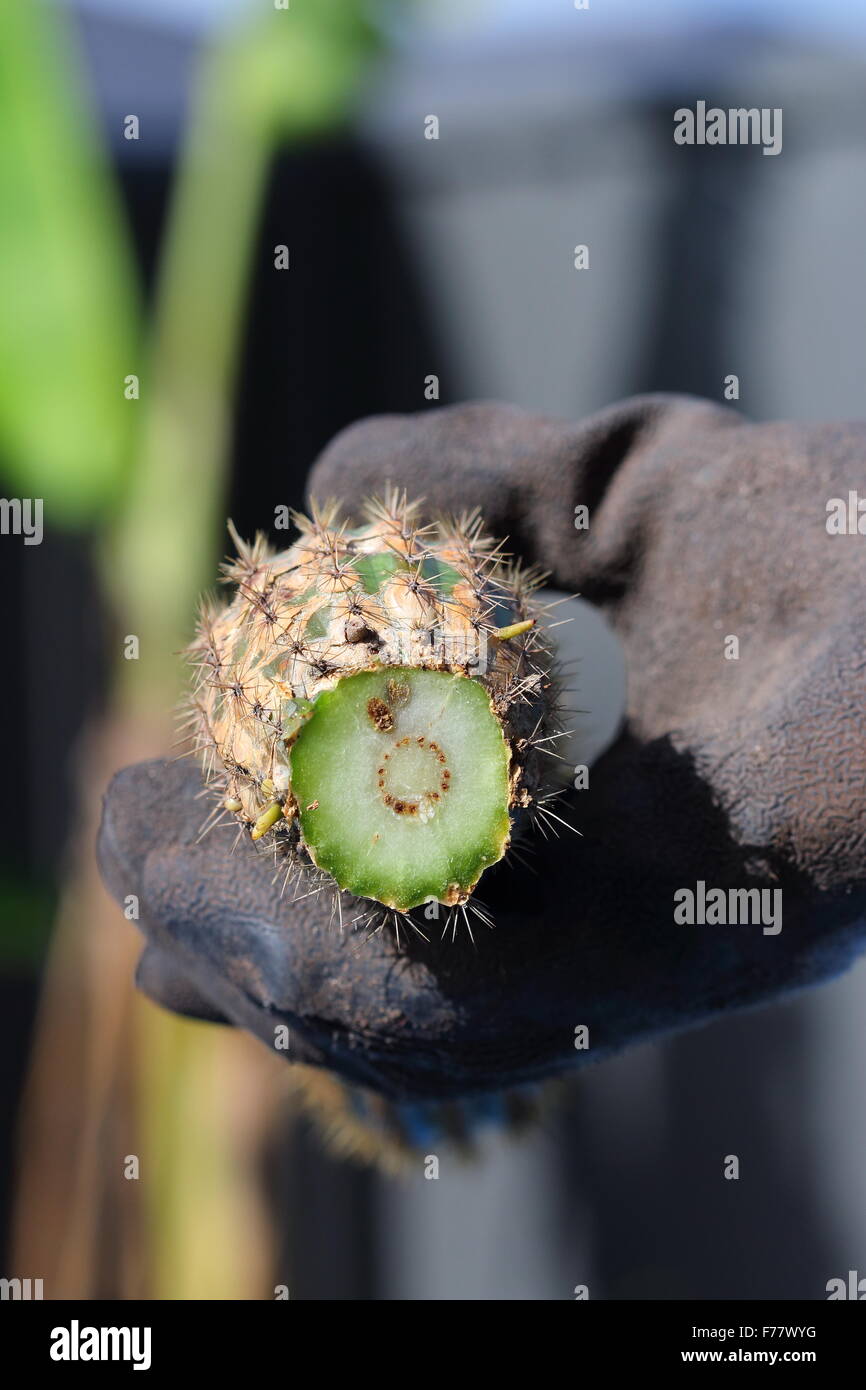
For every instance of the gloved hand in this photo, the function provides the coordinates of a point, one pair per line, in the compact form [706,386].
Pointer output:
[738,773]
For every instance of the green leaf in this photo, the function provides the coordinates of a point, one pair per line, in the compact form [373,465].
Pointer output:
[294,73]
[68,326]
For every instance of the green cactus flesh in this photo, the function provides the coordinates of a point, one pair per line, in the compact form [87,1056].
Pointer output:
[401,779]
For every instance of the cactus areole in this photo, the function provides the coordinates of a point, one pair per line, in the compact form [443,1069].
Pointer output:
[374,700]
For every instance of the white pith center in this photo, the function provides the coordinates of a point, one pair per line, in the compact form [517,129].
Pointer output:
[410,763]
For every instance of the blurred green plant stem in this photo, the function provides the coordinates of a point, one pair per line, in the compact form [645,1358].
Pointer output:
[287,76]
[70,327]
[290,76]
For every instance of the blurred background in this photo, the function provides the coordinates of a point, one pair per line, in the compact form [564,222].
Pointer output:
[158,373]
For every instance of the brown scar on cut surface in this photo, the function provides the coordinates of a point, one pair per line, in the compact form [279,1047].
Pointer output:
[379,714]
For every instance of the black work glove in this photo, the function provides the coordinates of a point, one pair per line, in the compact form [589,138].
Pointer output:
[746,773]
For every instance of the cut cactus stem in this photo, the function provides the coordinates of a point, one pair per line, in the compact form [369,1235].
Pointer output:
[379,702]
[408,771]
